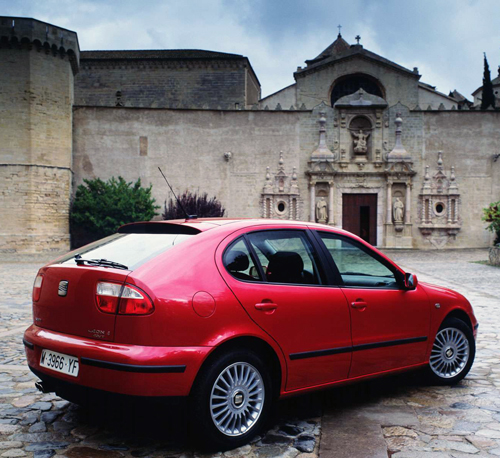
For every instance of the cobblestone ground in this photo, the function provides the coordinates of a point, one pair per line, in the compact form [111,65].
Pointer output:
[399,416]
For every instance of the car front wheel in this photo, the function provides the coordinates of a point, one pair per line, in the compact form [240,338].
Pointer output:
[452,354]
[231,400]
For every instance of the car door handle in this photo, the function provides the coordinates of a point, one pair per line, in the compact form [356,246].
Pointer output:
[359,305]
[268,307]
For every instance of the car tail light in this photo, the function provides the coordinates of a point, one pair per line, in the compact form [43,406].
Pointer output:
[37,287]
[134,302]
[124,299]
[107,296]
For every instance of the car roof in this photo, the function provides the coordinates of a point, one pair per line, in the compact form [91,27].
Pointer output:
[205,224]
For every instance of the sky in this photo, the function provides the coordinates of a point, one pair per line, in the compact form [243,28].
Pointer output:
[445,39]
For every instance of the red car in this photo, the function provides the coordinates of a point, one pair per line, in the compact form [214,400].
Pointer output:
[235,314]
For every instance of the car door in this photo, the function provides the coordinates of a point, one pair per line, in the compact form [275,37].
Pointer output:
[390,324]
[276,276]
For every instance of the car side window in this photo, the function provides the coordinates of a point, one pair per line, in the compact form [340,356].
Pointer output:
[286,256]
[239,263]
[356,266]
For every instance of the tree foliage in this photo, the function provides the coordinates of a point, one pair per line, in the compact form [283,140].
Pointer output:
[193,204]
[101,207]
[488,97]
[492,216]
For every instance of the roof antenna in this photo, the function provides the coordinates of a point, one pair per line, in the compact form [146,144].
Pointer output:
[176,198]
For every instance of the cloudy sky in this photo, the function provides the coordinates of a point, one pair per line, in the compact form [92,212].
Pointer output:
[445,39]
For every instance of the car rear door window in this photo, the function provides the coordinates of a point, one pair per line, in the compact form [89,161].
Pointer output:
[356,266]
[239,263]
[286,256]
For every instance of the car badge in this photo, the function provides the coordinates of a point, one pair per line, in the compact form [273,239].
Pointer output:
[63,288]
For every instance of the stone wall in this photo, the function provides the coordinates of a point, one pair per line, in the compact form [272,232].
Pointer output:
[165,83]
[190,147]
[35,209]
[37,62]
[469,141]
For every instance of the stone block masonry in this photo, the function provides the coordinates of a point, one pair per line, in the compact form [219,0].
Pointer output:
[37,66]
[166,79]
[35,209]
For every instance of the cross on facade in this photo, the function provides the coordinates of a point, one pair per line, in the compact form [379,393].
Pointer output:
[339,27]
[357,38]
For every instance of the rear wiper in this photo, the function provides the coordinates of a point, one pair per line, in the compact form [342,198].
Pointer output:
[99,262]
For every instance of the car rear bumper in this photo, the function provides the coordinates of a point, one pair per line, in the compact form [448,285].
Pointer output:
[117,368]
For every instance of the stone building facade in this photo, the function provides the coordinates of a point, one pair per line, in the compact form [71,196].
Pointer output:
[357,141]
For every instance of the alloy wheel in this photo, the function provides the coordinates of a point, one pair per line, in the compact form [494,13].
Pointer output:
[450,353]
[237,399]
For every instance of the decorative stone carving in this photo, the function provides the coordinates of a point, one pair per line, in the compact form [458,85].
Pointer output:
[360,142]
[280,196]
[398,211]
[322,152]
[399,152]
[439,205]
[321,210]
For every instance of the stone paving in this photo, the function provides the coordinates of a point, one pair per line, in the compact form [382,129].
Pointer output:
[399,417]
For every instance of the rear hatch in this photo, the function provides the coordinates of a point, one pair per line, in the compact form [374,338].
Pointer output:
[68,299]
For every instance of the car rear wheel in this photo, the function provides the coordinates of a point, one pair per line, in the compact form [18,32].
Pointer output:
[231,400]
[452,354]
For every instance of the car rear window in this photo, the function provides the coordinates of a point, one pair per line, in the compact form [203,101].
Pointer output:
[132,250]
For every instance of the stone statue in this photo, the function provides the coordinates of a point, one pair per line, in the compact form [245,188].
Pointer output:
[398,210]
[322,211]
[360,141]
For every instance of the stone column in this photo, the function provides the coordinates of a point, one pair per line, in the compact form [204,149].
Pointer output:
[330,204]
[389,203]
[408,204]
[312,189]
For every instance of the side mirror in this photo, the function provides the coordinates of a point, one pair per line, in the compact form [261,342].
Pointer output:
[411,281]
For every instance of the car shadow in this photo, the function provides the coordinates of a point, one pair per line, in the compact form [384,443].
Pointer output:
[143,427]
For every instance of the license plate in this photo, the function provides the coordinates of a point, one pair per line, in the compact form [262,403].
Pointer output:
[60,362]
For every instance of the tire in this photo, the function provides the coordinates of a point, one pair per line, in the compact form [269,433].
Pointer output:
[452,353]
[231,401]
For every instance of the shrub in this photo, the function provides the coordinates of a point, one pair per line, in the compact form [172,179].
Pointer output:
[492,216]
[101,207]
[193,204]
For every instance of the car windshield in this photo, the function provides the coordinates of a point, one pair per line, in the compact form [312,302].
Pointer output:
[131,250]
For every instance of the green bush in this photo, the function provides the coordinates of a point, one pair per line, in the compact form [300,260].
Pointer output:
[193,204]
[101,207]
[492,216]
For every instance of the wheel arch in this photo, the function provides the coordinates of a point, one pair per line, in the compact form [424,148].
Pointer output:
[459,314]
[256,345]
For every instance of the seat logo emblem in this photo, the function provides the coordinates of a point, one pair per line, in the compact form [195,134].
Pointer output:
[63,288]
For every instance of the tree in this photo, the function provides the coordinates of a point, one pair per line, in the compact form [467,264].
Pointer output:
[491,214]
[100,208]
[488,98]
[193,204]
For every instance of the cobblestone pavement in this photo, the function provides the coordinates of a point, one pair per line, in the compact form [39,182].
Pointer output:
[399,417]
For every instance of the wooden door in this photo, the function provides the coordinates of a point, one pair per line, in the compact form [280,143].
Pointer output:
[359,215]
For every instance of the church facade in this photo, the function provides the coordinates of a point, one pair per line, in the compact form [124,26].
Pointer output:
[357,141]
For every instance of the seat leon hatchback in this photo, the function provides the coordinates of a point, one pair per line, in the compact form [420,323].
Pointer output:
[235,314]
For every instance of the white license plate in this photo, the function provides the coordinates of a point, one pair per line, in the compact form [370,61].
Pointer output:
[60,362]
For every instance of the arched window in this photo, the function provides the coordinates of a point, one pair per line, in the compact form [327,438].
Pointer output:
[352,83]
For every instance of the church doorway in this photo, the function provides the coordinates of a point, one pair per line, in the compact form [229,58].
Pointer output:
[359,215]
